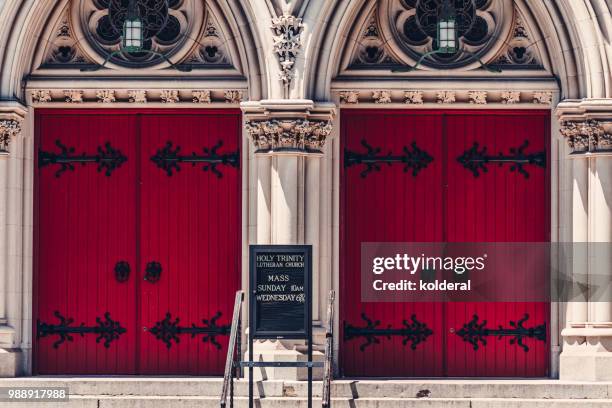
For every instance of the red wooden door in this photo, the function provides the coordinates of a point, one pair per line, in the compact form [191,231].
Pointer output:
[154,241]
[499,205]
[190,225]
[388,204]
[444,202]
[85,227]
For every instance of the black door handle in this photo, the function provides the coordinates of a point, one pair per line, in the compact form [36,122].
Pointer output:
[153,272]
[122,271]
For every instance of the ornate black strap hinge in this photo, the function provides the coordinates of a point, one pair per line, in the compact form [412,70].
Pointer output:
[108,158]
[107,329]
[476,160]
[168,159]
[413,159]
[414,332]
[168,330]
[474,332]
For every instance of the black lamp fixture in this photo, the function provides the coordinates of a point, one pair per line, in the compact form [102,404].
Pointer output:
[447,29]
[448,38]
[132,39]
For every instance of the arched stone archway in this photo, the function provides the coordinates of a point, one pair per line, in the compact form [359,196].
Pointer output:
[572,39]
[45,60]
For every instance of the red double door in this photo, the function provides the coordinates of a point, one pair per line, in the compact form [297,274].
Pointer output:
[446,200]
[137,240]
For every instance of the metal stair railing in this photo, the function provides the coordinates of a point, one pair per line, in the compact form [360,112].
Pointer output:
[329,347]
[233,350]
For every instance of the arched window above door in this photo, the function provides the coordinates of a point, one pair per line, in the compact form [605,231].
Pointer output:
[403,32]
[183,31]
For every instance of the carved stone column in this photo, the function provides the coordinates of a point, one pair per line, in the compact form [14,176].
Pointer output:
[587,337]
[289,137]
[11,238]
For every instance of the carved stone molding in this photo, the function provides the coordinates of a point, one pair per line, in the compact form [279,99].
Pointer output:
[589,136]
[288,126]
[287,30]
[9,128]
[482,97]
[301,135]
[117,95]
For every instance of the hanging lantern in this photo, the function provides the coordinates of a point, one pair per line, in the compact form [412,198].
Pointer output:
[133,30]
[447,29]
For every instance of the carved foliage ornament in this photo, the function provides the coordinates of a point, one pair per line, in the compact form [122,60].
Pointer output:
[589,136]
[349,97]
[478,97]
[381,96]
[510,97]
[201,96]
[9,128]
[41,96]
[106,96]
[413,97]
[233,96]
[169,96]
[137,96]
[74,95]
[287,30]
[446,97]
[289,135]
[543,98]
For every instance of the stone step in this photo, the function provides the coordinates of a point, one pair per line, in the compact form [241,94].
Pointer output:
[277,402]
[350,389]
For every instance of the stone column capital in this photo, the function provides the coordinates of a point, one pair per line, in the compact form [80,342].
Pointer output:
[586,126]
[11,118]
[295,127]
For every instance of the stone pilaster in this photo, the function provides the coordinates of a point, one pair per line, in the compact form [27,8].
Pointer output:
[289,138]
[11,238]
[586,126]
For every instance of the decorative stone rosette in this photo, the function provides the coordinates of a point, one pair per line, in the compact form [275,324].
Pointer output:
[278,135]
[589,136]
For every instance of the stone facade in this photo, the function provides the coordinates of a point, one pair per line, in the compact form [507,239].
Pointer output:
[292,66]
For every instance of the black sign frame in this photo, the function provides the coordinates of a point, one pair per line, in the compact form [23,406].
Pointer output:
[306,332]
